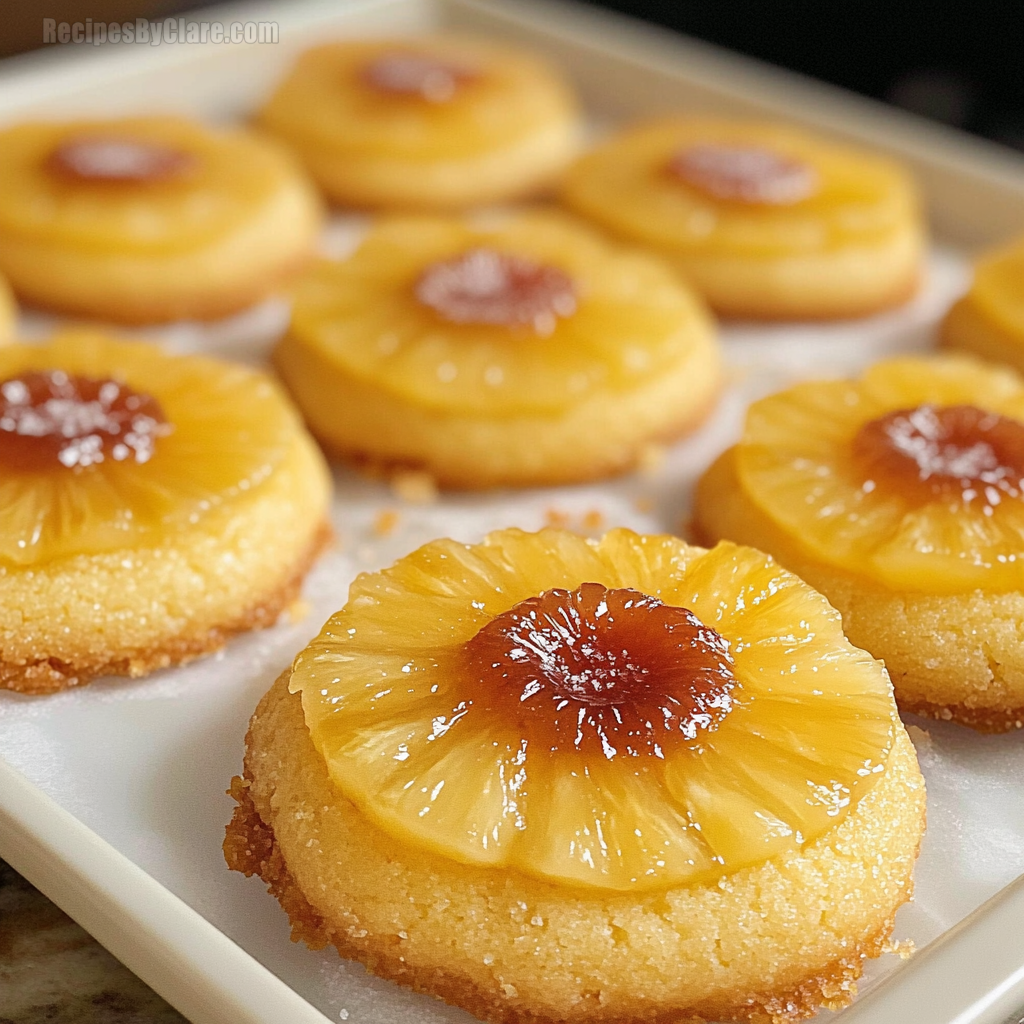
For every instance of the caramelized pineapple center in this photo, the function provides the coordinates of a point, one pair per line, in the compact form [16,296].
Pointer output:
[605,671]
[956,451]
[483,286]
[50,419]
[118,160]
[418,75]
[744,174]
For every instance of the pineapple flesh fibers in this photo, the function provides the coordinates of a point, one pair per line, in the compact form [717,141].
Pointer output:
[617,319]
[85,472]
[910,476]
[523,703]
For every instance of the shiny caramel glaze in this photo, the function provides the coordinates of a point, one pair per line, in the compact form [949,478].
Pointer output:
[111,159]
[420,75]
[51,419]
[602,670]
[483,286]
[956,451]
[746,174]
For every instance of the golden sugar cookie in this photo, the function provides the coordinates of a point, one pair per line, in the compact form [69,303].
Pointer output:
[648,781]
[150,506]
[765,221]
[431,123]
[149,219]
[989,319]
[901,497]
[522,349]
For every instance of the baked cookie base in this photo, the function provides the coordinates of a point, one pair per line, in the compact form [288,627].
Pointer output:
[250,847]
[564,977]
[989,720]
[521,170]
[619,460]
[600,437]
[51,675]
[140,310]
[214,281]
[841,285]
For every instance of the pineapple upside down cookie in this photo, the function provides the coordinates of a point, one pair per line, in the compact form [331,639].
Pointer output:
[142,220]
[150,507]
[765,221]
[429,123]
[989,319]
[900,496]
[514,349]
[556,779]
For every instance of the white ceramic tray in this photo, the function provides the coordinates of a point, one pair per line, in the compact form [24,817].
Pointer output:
[112,798]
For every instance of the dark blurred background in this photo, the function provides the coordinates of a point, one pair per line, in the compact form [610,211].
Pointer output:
[961,63]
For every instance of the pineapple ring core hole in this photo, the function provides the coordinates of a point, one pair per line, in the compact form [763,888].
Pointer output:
[417,74]
[118,160]
[483,287]
[606,671]
[956,451]
[744,174]
[50,419]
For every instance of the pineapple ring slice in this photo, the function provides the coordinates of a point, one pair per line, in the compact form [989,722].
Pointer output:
[228,428]
[227,175]
[149,219]
[436,122]
[409,736]
[764,220]
[629,322]
[989,319]
[797,463]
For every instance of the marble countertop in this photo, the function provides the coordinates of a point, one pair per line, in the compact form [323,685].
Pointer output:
[54,972]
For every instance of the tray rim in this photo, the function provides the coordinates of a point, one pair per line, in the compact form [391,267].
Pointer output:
[178,952]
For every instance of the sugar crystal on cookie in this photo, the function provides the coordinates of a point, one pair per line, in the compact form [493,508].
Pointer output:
[934,452]
[50,419]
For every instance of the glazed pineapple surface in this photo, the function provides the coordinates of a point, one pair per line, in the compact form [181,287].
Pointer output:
[109,444]
[910,477]
[765,220]
[430,122]
[421,99]
[721,186]
[148,184]
[619,715]
[625,318]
